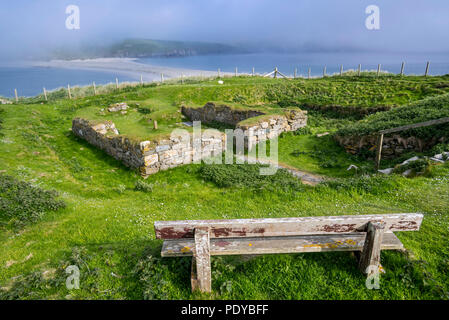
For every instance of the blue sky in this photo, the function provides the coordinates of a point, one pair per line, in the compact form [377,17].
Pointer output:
[408,25]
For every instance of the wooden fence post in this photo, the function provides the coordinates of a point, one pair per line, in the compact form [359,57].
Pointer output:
[155,124]
[294,73]
[116,83]
[324,72]
[68,89]
[309,74]
[380,141]
[253,72]
[95,89]
[378,69]
[402,68]
[275,72]
[236,71]
[341,70]
[141,80]
[359,70]
[45,94]
[15,93]
[427,69]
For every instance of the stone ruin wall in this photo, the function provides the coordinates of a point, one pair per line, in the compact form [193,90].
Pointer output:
[151,156]
[147,156]
[393,146]
[267,128]
[213,113]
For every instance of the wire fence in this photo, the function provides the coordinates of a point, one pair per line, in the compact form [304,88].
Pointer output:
[80,91]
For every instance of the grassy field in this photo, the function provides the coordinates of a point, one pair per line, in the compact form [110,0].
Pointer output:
[106,226]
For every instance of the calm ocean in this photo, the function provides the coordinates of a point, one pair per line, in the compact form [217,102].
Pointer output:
[30,80]
[286,63]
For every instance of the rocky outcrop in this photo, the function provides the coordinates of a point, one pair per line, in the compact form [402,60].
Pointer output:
[118,107]
[148,156]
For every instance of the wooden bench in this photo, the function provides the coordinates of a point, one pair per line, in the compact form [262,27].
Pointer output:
[368,234]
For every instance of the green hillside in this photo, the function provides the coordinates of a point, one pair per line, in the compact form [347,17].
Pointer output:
[98,215]
[424,110]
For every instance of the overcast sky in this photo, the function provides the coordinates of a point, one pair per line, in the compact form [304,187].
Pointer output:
[28,26]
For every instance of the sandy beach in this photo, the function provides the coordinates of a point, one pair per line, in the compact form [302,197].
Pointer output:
[124,66]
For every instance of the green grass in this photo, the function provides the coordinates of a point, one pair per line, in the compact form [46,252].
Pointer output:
[267,95]
[427,109]
[106,228]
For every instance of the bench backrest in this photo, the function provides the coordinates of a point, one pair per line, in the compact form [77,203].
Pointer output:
[274,227]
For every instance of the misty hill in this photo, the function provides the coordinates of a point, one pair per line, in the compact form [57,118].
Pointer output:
[139,48]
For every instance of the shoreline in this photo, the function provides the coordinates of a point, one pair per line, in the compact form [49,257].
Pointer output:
[124,66]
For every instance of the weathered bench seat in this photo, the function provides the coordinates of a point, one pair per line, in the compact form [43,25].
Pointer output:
[273,245]
[368,234]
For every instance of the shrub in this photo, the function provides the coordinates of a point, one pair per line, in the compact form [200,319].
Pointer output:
[143,186]
[144,110]
[120,189]
[22,203]
[418,167]
[302,131]
[40,284]
[153,272]
[439,148]
[248,176]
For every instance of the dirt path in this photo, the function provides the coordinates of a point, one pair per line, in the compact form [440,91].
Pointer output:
[306,177]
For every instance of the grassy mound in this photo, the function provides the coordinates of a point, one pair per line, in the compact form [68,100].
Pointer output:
[420,111]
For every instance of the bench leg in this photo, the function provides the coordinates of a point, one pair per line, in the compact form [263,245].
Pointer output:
[201,274]
[369,262]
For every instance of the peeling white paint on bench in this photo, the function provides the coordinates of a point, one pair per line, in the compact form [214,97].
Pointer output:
[272,227]
[368,234]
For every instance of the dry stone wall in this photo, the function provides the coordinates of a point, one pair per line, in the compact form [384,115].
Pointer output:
[213,113]
[149,156]
[268,127]
[392,146]
[272,127]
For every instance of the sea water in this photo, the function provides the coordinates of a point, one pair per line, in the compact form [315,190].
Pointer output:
[30,81]
[415,63]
